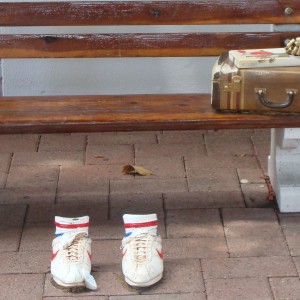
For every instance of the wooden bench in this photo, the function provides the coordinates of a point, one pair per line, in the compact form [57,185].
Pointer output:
[45,114]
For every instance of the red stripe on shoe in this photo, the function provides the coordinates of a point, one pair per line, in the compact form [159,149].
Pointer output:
[160,253]
[140,225]
[53,255]
[123,254]
[89,254]
[69,226]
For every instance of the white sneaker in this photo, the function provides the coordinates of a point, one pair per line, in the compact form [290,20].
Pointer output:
[142,262]
[71,260]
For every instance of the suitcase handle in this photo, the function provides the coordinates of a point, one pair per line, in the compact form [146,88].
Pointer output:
[270,104]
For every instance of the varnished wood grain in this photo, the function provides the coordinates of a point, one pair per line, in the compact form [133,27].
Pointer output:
[123,113]
[148,12]
[135,45]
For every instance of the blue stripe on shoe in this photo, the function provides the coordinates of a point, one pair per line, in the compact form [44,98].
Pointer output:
[58,234]
[127,234]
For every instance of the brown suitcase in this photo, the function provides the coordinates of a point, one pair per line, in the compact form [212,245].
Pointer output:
[273,89]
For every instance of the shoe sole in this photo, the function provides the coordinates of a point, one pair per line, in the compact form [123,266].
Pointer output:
[144,284]
[68,285]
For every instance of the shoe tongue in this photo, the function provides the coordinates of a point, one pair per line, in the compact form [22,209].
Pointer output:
[71,236]
[142,232]
[89,280]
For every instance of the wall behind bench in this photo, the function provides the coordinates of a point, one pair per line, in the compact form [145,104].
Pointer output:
[111,75]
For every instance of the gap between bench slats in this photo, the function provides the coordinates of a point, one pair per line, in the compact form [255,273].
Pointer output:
[125,112]
[135,45]
[148,12]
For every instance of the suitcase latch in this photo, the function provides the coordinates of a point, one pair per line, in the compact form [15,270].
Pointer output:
[233,86]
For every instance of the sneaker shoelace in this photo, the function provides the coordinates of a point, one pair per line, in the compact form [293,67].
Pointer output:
[74,249]
[140,247]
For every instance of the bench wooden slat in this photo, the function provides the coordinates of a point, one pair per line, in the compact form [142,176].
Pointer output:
[125,112]
[182,12]
[135,45]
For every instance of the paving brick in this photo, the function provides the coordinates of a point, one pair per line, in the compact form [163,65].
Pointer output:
[262,148]
[256,195]
[291,228]
[169,150]
[185,248]
[253,232]
[84,196]
[82,183]
[62,142]
[252,175]
[138,137]
[224,145]
[45,213]
[189,296]
[46,158]
[248,267]
[241,288]
[101,137]
[230,132]
[3,177]
[33,177]
[30,184]
[263,162]
[105,253]
[37,237]
[296,260]
[180,276]
[17,142]
[221,161]
[261,134]
[112,172]
[123,138]
[213,180]
[213,174]
[72,297]
[109,155]
[285,288]
[148,186]
[5,159]
[136,204]
[26,195]
[245,217]
[170,167]
[255,242]
[194,223]
[108,229]
[11,224]
[181,137]
[25,262]
[21,286]
[202,199]
[105,230]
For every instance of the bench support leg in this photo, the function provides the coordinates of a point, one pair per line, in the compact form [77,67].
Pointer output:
[284,168]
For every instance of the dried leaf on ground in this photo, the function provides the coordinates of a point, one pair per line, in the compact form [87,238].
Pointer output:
[133,169]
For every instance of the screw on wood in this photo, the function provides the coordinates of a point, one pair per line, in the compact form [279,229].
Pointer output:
[288,11]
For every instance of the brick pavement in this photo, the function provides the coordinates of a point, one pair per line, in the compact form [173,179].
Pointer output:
[222,239]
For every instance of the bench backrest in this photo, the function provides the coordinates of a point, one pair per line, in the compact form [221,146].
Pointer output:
[86,13]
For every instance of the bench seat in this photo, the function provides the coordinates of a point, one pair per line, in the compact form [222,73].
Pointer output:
[46,114]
